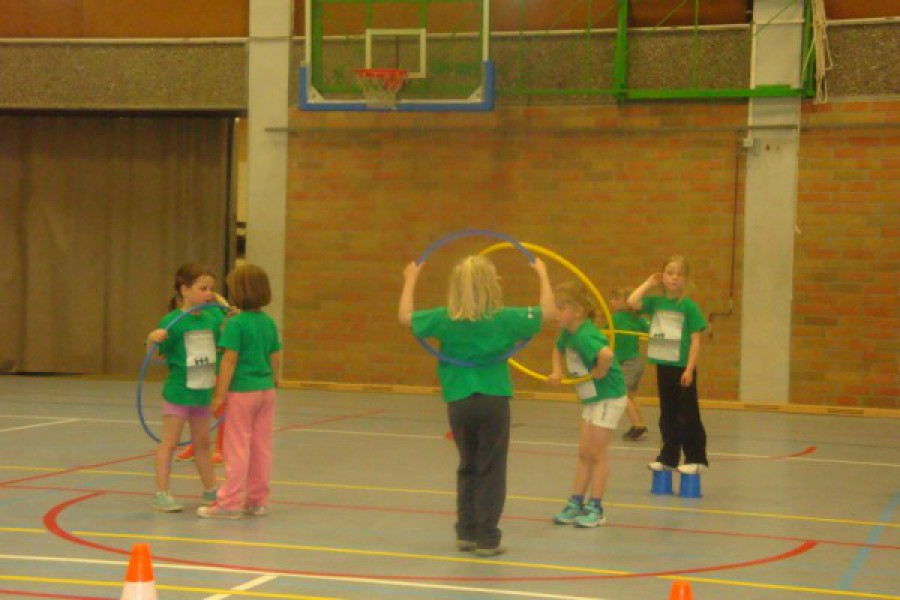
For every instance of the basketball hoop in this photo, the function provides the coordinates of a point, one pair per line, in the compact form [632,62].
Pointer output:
[380,86]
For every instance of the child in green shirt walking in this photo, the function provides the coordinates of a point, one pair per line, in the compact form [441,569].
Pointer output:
[627,351]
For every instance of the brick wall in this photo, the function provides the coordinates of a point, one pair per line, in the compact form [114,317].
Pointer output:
[613,189]
[847,318]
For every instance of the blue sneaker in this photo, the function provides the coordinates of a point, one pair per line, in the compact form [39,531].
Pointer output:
[567,515]
[591,516]
[165,502]
[209,497]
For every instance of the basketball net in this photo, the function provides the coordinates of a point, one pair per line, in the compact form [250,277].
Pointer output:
[380,86]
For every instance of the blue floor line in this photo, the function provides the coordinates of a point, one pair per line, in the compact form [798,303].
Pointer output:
[847,580]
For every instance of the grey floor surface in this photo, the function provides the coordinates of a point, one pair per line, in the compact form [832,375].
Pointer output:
[794,506]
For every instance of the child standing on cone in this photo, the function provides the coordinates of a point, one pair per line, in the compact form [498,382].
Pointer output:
[674,347]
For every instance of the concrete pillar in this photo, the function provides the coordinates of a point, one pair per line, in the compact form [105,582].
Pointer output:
[770,205]
[271,25]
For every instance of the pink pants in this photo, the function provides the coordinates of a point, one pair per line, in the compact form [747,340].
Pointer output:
[248,449]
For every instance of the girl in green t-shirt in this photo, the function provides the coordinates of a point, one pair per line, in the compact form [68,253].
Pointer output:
[674,347]
[584,350]
[476,328]
[190,350]
[627,351]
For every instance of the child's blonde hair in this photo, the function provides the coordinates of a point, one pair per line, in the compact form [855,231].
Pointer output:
[685,272]
[577,294]
[474,291]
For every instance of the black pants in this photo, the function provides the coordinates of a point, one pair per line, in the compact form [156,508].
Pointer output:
[679,419]
[480,426]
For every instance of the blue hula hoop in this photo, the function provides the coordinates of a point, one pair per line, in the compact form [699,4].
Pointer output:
[446,240]
[143,373]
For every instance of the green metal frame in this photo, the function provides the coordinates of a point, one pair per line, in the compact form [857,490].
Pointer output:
[622,92]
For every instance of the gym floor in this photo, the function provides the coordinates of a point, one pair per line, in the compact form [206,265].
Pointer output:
[793,506]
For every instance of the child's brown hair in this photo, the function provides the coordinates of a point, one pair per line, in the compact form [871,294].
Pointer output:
[248,287]
[187,274]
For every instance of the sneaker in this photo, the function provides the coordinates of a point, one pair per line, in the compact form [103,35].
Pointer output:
[466,545]
[217,459]
[256,511]
[490,551]
[186,455]
[635,434]
[658,466]
[591,516]
[691,468]
[209,497]
[165,502]
[214,512]
[567,515]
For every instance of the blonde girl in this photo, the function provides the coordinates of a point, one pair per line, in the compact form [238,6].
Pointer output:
[585,350]
[475,327]
[674,347]
[189,347]
[628,353]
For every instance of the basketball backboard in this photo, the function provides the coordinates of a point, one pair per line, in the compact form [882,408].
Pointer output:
[443,45]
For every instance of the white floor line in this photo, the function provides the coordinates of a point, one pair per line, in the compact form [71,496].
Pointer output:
[36,425]
[85,419]
[349,579]
[644,449]
[249,585]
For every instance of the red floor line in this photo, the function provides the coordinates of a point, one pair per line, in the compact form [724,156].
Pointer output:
[120,460]
[25,594]
[367,413]
[51,522]
[75,469]
[450,513]
[574,452]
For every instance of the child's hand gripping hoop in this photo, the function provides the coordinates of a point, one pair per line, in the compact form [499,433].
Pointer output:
[143,373]
[446,240]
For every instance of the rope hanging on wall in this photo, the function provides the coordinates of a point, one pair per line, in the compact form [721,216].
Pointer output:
[824,63]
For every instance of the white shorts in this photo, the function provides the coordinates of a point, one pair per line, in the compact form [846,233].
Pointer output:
[606,413]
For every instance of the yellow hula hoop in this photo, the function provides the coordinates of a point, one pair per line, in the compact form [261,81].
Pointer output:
[583,278]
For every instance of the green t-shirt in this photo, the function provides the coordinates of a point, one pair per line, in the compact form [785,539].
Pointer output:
[671,324]
[580,350]
[627,345]
[253,335]
[190,352]
[479,342]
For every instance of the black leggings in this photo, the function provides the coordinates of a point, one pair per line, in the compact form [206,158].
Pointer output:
[480,426]
[679,419]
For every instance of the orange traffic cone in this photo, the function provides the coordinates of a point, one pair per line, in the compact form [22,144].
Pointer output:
[681,590]
[139,584]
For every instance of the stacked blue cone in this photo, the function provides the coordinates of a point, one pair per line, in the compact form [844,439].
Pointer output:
[690,486]
[662,483]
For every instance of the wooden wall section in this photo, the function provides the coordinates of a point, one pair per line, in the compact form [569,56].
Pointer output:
[118,19]
[230,18]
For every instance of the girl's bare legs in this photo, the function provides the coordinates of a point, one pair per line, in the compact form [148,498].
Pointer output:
[593,446]
[634,412]
[171,433]
[592,469]
[202,455]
